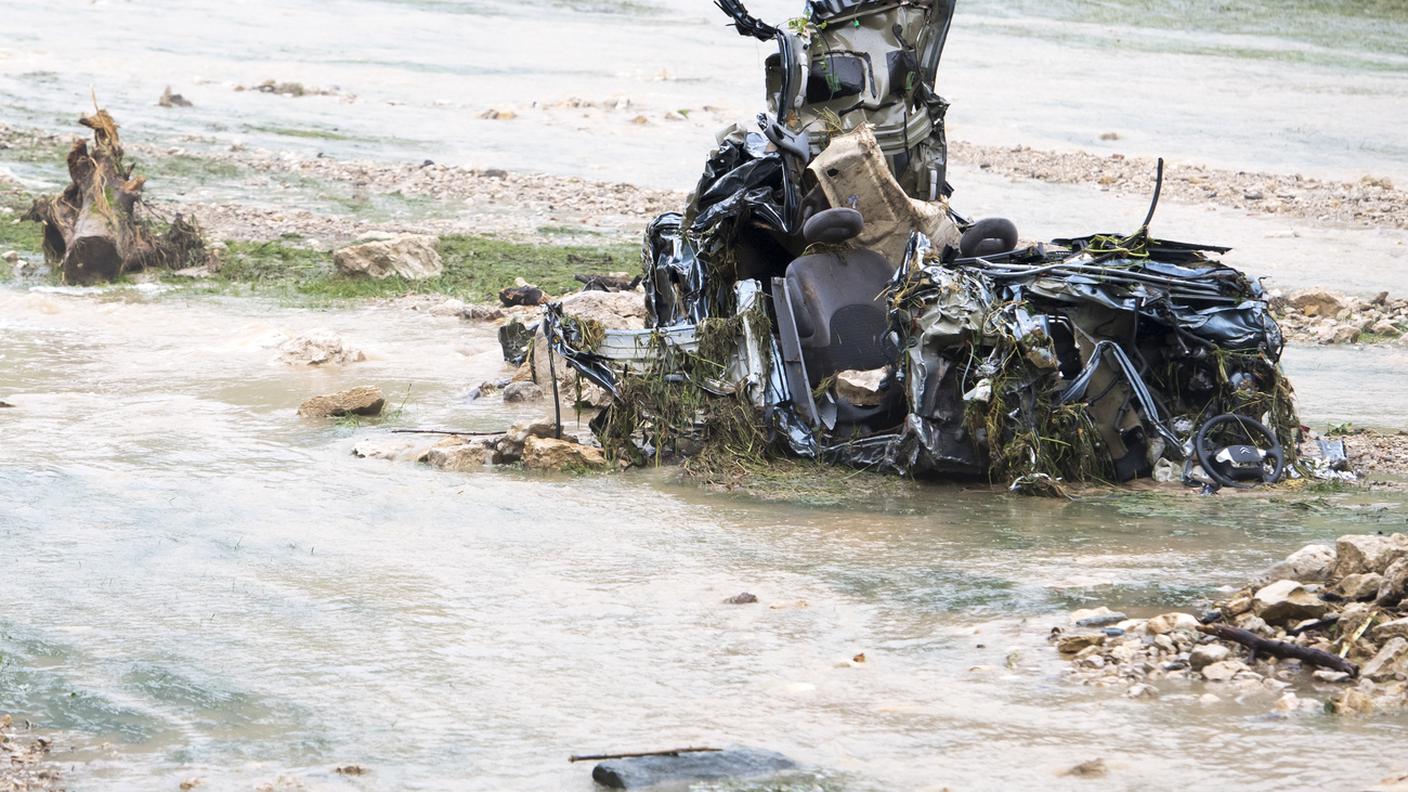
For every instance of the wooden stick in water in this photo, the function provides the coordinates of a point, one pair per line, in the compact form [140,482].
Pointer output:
[448,432]
[1281,649]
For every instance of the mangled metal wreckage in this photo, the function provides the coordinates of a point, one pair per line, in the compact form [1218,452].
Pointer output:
[819,251]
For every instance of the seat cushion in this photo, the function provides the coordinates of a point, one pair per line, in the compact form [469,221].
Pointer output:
[841,316]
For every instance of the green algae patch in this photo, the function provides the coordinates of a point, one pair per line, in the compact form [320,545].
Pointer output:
[476,268]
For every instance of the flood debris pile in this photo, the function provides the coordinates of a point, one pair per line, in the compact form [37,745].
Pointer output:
[819,297]
[99,228]
[1325,628]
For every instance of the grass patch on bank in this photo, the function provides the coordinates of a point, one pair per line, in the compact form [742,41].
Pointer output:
[475,269]
[20,235]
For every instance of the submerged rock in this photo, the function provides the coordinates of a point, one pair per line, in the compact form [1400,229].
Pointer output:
[687,768]
[397,448]
[409,256]
[355,401]
[319,348]
[459,454]
[1097,617]
[522,392]
[1095,768]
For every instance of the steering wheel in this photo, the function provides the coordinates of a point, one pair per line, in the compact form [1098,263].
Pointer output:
[1240,465]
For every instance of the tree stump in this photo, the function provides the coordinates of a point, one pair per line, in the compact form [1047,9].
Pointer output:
[92,232]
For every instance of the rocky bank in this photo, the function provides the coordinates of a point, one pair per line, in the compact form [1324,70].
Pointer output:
[1345,602]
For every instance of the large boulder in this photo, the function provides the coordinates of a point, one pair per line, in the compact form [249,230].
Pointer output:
[1287,601]
[409,256]
[1359,553]
[547,453]
[355,401]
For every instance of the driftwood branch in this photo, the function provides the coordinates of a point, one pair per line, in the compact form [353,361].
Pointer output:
[1281,649]
[668,752]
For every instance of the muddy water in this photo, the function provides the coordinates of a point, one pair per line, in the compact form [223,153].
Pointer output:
[1312,87]
[199,584]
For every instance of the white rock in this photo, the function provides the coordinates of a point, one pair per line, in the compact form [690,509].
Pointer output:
[409,256]
[317,348]
[1287,601]
[861,388]
[1207,654]
[459,454]
[450,307]
[1223,670]
[1310,564]
[1168,622]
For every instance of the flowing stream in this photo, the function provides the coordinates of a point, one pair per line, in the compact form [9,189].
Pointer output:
[196,583]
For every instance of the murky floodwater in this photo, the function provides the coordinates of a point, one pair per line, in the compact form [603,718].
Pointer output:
[1312,86]
[216,588]
[197,583]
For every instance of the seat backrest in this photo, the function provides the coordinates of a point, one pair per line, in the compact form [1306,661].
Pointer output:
[841,316]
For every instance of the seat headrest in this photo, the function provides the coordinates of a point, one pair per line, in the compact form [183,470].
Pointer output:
[833,226]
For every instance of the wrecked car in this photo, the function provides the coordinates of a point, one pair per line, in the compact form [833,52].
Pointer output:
[820,297]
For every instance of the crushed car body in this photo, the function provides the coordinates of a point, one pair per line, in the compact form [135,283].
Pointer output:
[819,296]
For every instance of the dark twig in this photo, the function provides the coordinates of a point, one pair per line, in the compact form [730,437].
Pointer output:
[1282,649]
[449,432]
[668,752]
